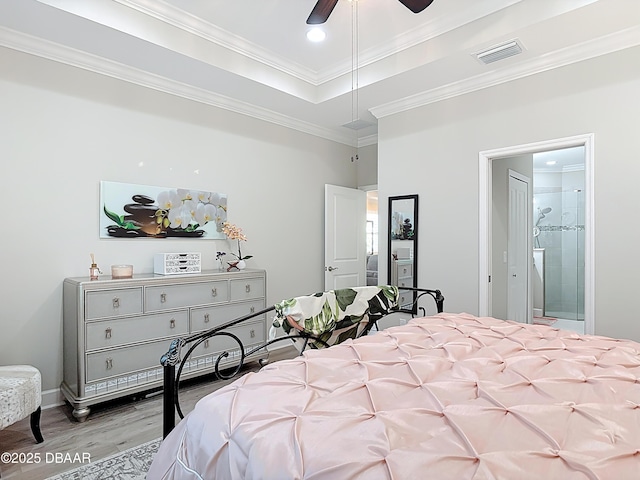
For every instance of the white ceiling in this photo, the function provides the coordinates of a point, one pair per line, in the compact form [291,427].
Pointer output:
[252,56]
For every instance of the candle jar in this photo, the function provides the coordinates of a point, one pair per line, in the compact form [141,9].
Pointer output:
[121,271]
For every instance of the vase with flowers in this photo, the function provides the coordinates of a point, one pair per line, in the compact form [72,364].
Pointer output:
[219,256]
[233,232]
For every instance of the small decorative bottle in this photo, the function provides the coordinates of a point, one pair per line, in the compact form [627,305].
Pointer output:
[93,269]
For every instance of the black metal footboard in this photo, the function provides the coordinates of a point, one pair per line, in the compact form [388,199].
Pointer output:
[421,292]
[173,358]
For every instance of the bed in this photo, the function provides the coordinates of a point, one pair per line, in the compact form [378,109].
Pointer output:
[449,396]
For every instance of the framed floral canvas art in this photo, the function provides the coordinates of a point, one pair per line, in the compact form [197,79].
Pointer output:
[143,211]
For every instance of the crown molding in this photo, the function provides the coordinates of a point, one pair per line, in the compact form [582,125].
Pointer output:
[368,140]
[196,26]
[584,51]
[93,63]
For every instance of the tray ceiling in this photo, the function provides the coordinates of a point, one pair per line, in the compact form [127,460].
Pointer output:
[253,56]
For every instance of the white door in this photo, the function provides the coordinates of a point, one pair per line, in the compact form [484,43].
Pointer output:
[345,244]
[518,249]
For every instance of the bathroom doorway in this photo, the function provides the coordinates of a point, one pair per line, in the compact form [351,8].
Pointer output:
[562,225]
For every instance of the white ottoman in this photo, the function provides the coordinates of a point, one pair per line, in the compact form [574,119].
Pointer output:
[20,396]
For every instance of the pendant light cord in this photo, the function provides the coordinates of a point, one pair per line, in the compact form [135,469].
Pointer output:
[354,71]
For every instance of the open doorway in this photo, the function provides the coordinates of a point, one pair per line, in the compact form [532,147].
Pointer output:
[580,250]
[372,237]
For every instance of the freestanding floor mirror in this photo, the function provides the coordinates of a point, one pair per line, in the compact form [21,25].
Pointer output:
[402,244]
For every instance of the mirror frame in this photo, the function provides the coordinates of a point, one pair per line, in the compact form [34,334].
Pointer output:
[414,237]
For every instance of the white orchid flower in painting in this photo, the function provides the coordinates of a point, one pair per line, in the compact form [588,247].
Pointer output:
[192,206]
[221,217]
[184,194]
[205,213]
[214,198]
[203,197]
[180,217]
[169,199]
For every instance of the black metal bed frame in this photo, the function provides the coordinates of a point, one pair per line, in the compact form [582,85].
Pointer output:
[171,359]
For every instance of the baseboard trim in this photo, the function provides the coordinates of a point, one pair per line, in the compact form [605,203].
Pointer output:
[52,398]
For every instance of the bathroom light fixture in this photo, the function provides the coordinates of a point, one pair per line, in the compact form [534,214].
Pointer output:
[316,34]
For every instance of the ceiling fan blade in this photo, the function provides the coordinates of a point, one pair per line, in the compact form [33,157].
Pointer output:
[321,11]
[416,6]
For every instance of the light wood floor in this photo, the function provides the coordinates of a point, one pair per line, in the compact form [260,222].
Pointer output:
[110,428]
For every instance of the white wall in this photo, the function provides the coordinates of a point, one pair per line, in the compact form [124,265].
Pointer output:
[368,165]
[433,151]
[63,130]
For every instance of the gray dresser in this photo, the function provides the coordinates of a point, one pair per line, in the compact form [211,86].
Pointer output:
[115,331]
[402,276]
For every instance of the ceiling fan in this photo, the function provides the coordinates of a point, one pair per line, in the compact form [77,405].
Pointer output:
[323,9]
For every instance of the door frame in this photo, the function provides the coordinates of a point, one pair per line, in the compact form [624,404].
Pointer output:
[484,216]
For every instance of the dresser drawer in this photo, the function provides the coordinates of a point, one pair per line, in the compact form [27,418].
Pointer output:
[405,299]
[121,361]
[405,282]
[405,270]
[112,303]
[246,289]
[204,318]
[250,334]
[112,333]
[159,298]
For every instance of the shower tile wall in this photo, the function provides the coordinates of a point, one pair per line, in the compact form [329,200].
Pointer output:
[562,237]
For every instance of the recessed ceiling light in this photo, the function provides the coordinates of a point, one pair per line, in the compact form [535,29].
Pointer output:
[316,34]
[551,162]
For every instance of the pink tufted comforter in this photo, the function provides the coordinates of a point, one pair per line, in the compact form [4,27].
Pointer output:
[445,397]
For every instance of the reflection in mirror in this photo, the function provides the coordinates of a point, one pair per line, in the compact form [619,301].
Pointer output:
[402,252]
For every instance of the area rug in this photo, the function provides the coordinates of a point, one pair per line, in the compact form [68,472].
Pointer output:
[132,464]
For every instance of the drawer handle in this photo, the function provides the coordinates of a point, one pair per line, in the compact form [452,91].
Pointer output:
[206,343]
[107,333]
[404,270]
[252,333]
[163,298]
[214,292]
[116,302]
[252,309]
[109,363]
[172,323]
[247,288]
[206,318]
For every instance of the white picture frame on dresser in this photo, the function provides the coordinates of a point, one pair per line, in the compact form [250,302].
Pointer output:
[116,330]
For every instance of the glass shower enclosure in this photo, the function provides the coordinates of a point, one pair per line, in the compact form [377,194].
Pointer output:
[559,217]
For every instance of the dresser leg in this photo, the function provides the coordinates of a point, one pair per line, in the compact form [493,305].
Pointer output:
[81,414]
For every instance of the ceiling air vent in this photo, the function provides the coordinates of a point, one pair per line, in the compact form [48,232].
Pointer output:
[499,52]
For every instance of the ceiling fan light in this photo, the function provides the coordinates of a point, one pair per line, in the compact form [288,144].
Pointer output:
[316,34]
